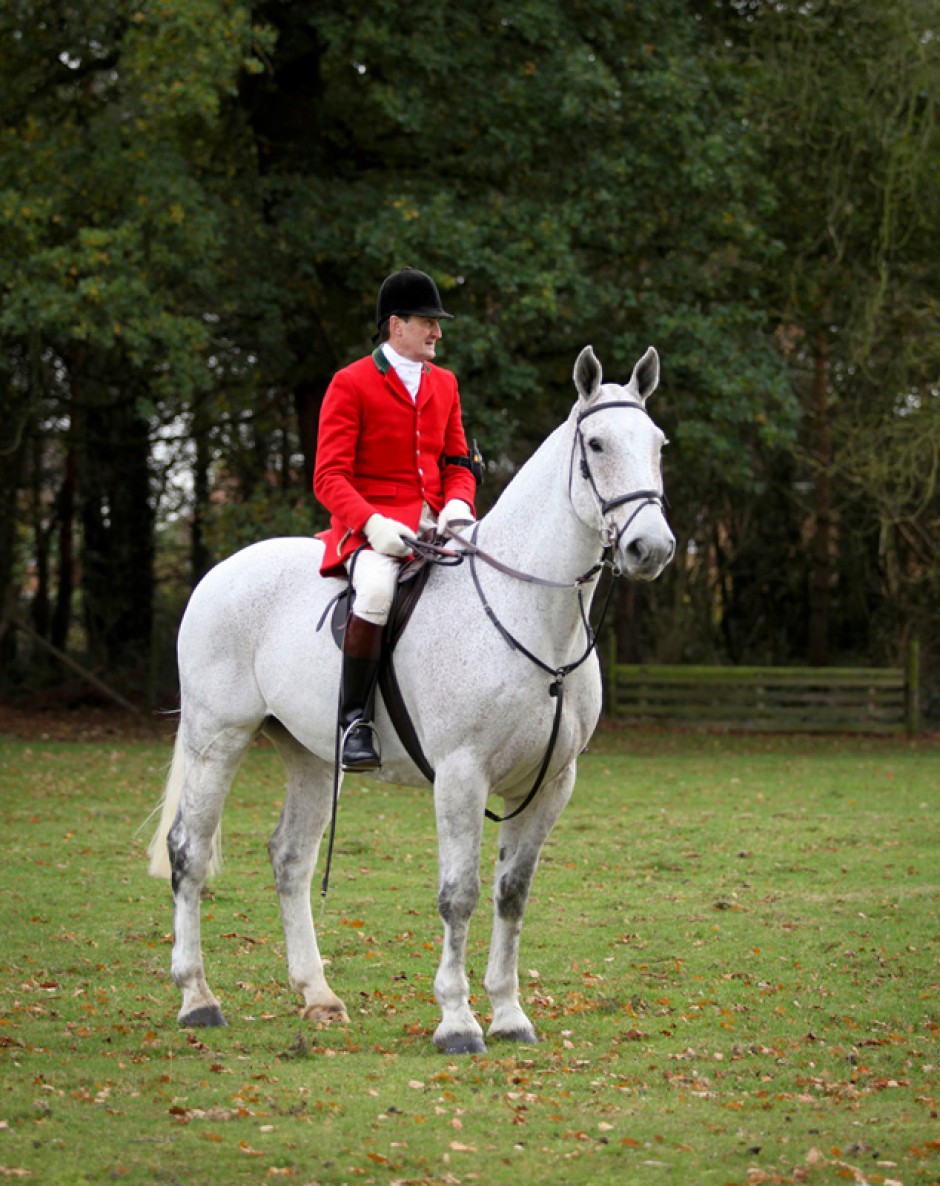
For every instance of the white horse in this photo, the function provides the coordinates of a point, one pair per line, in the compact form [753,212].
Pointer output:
[475,665]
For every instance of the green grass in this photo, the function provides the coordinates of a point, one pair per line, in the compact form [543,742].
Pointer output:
[730,954]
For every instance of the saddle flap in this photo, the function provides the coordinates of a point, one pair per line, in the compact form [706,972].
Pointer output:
[412,578]
[341,610]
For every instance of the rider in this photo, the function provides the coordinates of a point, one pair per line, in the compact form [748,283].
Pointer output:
[391,460]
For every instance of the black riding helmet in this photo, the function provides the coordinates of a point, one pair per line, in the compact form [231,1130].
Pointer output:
[409,292]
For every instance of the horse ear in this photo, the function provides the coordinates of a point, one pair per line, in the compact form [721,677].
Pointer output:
[588,374]
[646,374]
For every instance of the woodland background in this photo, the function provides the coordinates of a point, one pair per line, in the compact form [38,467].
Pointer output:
[199,198]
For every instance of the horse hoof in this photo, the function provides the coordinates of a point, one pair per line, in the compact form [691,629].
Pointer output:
[461,1044]
[525,1036]
[326,1014]
[203,1017]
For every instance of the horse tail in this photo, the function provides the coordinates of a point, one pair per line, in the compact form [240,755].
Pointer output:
[157,850]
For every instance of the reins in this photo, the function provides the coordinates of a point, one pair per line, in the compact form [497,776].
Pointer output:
[556,688]
[469,550]
[437,554]
[610,536]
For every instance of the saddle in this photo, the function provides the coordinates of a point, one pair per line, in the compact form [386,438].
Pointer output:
[412,579]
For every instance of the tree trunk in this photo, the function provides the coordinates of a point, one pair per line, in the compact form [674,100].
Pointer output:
[308,399]
[11,468]
[200,559]
[62,614]
[117,521]
[627,623]
[822,513]
[39,609]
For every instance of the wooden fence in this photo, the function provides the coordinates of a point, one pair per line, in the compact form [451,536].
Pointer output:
[769,699]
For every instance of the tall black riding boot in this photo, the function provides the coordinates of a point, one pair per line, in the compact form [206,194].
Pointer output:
[362,649]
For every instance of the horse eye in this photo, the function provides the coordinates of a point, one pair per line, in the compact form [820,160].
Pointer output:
[595,446]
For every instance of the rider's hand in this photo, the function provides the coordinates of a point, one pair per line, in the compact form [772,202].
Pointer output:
[385,536]
[456,515]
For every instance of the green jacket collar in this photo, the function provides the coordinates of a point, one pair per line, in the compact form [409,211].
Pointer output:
[380,358]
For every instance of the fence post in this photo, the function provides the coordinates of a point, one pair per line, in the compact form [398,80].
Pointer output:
[912,688]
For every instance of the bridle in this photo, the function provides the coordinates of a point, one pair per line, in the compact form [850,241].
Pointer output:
[610,533]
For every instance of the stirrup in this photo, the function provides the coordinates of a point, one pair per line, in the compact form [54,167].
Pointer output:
[369,758]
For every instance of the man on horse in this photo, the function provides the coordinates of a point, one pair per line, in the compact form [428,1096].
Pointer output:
[391,461]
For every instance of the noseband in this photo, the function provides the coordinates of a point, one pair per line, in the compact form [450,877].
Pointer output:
[611,534]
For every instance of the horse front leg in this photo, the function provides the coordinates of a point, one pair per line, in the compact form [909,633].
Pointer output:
[459,800]
[207,776]
[520,843]
[293,850]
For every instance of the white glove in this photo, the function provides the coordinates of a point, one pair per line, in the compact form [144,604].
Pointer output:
[385,535]
[456,515]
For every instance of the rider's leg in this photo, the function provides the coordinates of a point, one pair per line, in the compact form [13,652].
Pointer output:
[362,650]
[374,577]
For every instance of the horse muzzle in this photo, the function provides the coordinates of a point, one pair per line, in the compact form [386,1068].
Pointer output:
[645,551]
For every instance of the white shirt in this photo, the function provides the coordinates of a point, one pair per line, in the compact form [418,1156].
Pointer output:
[409,372]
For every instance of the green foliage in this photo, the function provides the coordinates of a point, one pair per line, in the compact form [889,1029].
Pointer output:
[111,229]
[730,956]
[267,514]
[199,198]
[552,208]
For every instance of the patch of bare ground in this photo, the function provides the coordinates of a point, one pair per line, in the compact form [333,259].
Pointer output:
[48,718]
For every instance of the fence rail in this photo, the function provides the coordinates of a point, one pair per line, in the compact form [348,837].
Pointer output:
[769,699]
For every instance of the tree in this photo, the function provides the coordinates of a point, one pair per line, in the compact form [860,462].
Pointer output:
[198,201]
[112,225]
[846,97]
[592,181]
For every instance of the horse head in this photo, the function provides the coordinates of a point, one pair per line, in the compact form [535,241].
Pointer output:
[615,479]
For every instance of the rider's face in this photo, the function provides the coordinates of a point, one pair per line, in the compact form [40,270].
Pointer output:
[415,337]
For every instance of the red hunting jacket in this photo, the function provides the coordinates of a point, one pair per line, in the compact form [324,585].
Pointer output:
[380,451]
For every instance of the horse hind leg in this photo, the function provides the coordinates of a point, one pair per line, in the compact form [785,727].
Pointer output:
[207,777]
[520,843]
[293,850]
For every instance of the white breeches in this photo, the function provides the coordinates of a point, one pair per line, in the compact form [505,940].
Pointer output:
[373,578]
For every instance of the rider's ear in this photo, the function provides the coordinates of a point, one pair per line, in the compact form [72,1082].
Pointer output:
[646,374]
[588,375]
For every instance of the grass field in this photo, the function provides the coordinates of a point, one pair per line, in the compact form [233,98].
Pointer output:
[731,954]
